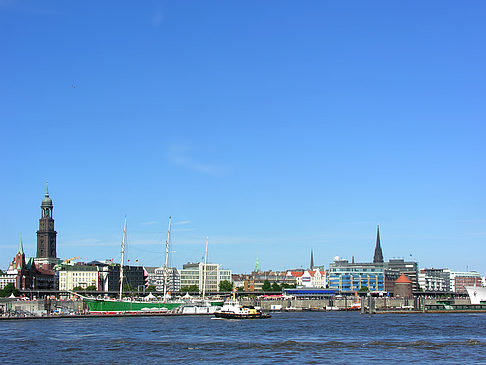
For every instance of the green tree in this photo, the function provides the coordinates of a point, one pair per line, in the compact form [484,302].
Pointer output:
[190,288]
[9,290]
[364,288]
[151,288]
[78,288]
[266,286]
[225,285]
[91,288]
[276,287]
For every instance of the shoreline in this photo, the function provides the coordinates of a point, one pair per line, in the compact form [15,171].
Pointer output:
[208,314]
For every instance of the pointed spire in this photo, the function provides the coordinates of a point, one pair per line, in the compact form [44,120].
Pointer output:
[47,188]
[352,261]
[378,258]
[21,247]
[312,261]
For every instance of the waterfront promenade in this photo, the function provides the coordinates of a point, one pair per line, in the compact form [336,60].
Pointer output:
[51,308]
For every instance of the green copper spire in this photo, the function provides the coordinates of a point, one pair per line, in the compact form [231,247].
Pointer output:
[21,247]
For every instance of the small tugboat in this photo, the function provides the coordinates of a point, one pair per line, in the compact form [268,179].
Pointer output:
[233,310]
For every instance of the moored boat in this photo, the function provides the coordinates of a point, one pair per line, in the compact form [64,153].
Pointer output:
[477,294]
[126,306]
[114,306]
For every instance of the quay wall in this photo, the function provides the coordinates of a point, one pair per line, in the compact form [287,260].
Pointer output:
[42,306]
[344,303]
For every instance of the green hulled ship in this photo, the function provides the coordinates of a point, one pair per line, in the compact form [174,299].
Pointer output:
[107,306]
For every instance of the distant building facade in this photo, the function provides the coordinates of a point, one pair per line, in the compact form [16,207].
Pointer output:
[255,281]
[435,280]
[194,274]
[376,276]
[459,280]
[73,276]
[409,268]
[351,277]
[109,276]
[309,278]
[155,277]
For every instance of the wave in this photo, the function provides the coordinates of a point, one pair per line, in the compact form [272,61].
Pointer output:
[300,345]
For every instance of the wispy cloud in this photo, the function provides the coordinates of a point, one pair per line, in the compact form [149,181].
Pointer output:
[149,223]
[157,18]
[180,155]
[23,7]
[181,223]
[89,242]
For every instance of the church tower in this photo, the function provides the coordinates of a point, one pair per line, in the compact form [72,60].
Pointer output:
[46,235]
[378,258]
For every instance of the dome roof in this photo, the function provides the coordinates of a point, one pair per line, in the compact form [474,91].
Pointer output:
[46,201]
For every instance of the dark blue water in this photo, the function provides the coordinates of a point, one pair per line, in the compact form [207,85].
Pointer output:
[308,337]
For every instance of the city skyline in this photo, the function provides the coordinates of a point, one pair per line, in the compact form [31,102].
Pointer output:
[139,258]
[274,129]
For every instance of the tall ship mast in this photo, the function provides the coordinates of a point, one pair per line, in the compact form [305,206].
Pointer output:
[204,268]
[122,257]
[166,274]
[109,306]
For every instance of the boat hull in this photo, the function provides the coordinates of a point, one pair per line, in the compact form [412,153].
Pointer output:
[99,306]
[241,316]
[477,294]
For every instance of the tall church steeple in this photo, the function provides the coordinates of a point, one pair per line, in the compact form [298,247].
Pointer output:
[46,235]
[312,261]
[378,258]
[19,261]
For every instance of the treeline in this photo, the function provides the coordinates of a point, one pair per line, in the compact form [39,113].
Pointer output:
[275,286]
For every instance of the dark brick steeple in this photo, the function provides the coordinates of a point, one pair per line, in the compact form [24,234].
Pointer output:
[378,258]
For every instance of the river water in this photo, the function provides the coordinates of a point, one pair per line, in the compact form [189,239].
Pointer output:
[307,337]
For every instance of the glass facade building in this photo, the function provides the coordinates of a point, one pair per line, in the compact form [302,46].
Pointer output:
[351,277]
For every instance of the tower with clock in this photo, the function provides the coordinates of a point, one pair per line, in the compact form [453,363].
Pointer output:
[46,235]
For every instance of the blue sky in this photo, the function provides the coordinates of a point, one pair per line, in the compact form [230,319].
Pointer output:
[273,127]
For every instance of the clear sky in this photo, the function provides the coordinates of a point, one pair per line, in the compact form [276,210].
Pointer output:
[273,127]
